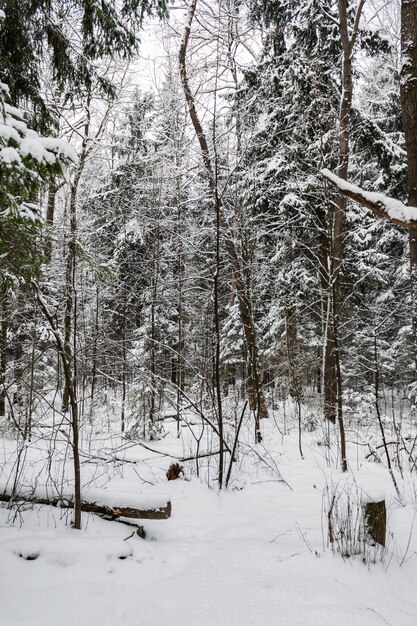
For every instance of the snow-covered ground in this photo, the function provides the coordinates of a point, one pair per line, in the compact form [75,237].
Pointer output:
[255,554]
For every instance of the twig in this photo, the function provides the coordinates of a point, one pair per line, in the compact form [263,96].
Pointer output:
[232,456]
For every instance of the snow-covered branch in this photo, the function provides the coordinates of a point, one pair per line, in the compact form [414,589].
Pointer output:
[389,208]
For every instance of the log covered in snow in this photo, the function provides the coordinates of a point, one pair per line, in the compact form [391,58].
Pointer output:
[140,508]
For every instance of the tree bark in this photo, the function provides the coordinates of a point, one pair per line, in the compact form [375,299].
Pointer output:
[179,369]
[409,115]
[3,355]
[94,352]
[71,266]
[332,383]
[50,213]
[375,519]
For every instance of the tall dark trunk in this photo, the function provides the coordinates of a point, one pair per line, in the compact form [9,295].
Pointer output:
[66,350]
[123,331]
[70,286]
[332,382]
[152,359]
[94,353]
[330,363]
[413,287]
[408,87]
[29,419]
[179,368]
[70,273]
[409,114]
[332,372]
[3,355]
[50,213]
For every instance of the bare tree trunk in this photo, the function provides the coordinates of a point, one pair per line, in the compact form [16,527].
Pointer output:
[3,355]
[332,372]
[66,366]
[256,397]
[69,291]
[212,180]
[332,382]
[292,350]
[413,285]
[180,269]
[65,349]
[29,419]
[94,353]
[409,115]
[124,358]
[50,213]
[152,364]
[124,388]
[217,344]
[70,272]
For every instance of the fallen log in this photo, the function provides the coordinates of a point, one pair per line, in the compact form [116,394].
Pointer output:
[162,511]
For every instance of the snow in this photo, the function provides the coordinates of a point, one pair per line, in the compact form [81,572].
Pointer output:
[394,209]
[61,147]
[33,147]
[7,132]
[9,155]
[13,111]
[373,495]
[29,211]
[125,498]
[27,143]
[257,553]
[104,496]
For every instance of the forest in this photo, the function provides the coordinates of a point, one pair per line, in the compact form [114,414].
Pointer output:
[208,312]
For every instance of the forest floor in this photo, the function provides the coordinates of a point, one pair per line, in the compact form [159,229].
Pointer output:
[256,553]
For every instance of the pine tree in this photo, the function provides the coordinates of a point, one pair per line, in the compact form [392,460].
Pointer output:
[26,161]
[45,30]
[293,93]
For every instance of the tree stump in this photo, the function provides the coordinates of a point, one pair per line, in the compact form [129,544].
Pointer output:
[375,519]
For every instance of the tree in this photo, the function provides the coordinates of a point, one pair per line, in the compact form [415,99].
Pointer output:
[256,395]
[46,29]
[69,38]
[26,161]
[385,207]
[293,96]
[409,114]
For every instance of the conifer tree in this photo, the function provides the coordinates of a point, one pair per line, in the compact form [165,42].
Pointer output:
[45,33]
